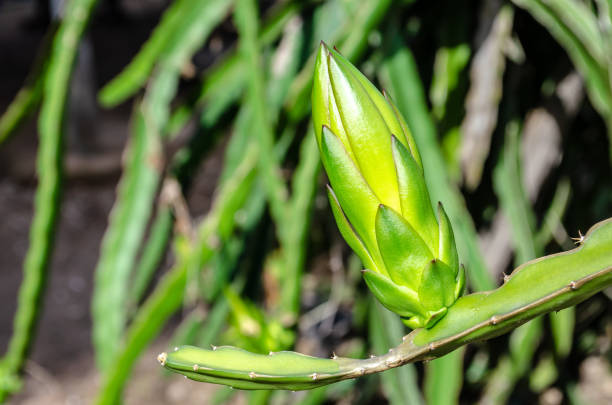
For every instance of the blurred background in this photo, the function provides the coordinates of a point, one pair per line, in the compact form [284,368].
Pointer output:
[160,185]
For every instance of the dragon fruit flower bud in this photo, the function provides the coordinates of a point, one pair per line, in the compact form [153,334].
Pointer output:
[379,197]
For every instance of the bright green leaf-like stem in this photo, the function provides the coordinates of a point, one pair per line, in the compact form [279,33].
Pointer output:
[535,288]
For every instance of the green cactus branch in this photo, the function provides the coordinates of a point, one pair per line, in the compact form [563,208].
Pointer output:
[540,286]
[381,204]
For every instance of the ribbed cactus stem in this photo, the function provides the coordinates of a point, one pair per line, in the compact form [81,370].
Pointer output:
[543,285]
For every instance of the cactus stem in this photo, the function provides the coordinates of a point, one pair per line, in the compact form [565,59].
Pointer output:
[389,363]
[462,325]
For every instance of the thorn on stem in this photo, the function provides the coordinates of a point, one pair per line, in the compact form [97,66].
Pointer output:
[578,241]
[162,358]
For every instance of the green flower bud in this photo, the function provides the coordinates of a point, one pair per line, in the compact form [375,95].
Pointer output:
[379,197]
